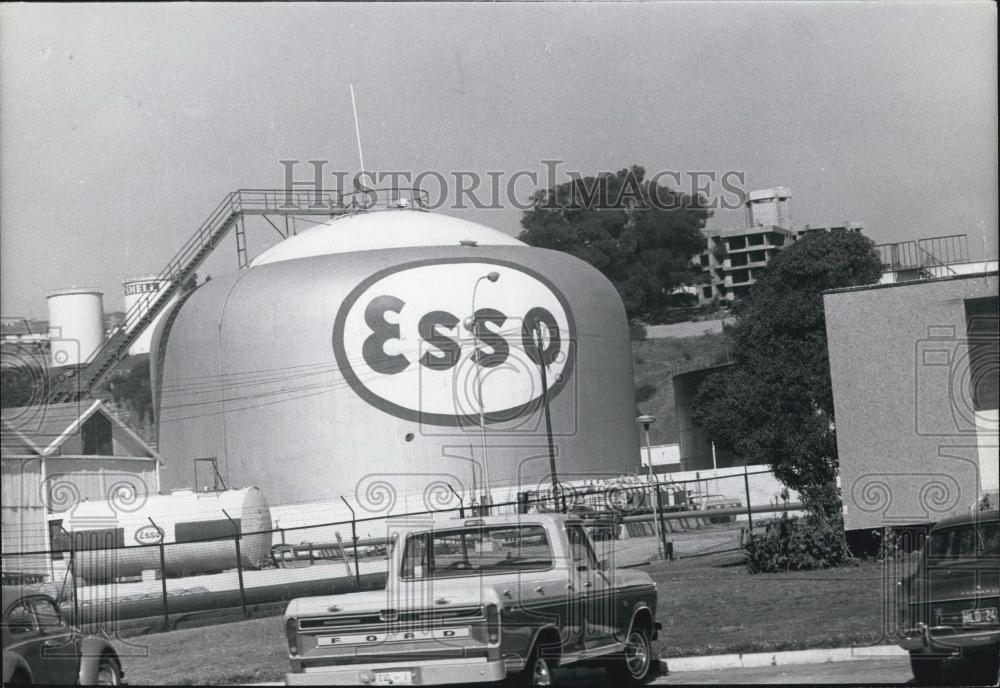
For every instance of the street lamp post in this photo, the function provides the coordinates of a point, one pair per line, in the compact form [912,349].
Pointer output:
[472,324]
[645,421]
[537,336]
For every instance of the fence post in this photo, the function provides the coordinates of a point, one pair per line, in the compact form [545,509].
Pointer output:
[76,597]
[163,584]
[354,541]
[72,569]
[746,487]
[668,548]
[239,565]
[461,504]
[163,574]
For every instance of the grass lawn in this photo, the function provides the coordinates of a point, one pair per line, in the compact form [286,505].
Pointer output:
[708,605]
[716,607]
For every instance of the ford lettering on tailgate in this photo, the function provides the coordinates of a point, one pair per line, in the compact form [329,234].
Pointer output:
[408,341]
[362,639]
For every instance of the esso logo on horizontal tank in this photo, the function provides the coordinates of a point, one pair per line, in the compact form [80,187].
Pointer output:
[149,535]
[408,341]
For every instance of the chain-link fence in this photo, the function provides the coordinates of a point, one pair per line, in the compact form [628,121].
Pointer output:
[240,573]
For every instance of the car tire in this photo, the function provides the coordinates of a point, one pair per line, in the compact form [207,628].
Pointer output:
[20,678]
[927,671]
[635,666]
[537,670]
[109,673]
[983,666]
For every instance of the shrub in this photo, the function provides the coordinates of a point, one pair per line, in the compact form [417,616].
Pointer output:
[644,393]
[636,331]
[798,544]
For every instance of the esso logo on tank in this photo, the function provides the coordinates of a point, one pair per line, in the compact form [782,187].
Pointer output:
[149,535]
[410,341]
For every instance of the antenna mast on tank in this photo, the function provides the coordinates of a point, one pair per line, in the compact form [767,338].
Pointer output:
[357,129]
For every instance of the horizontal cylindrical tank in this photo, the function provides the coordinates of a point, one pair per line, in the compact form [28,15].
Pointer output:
[357,359]
[76,324]
[119,538]
[140,293]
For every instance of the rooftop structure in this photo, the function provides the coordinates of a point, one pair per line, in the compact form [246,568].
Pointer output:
[767,207]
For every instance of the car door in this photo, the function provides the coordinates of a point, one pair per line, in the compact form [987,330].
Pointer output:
[22,637]
[593,591]
[60,643]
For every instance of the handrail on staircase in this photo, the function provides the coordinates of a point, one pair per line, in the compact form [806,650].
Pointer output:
[203,241]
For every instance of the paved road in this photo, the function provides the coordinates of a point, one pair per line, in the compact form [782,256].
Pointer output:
[886,671]
[853,672]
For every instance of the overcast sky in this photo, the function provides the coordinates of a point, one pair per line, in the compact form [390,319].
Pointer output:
[122,126]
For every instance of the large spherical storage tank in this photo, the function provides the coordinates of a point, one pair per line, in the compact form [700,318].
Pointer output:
[116,538]
[341,363]
[76,324]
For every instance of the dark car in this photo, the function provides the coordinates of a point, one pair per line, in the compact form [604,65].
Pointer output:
[949,606]
[39,647]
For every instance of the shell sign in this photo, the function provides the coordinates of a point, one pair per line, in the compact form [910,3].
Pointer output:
[407,342]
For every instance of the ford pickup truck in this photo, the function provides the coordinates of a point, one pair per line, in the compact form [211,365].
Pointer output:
[480,600]
[949,606]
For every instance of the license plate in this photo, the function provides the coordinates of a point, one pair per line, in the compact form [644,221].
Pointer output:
[971,617]
[393,678]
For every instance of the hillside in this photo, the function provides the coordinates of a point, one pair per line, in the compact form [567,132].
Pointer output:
[656,361]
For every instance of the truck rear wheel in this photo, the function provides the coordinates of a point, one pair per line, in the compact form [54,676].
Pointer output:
[636,663]
[537,672]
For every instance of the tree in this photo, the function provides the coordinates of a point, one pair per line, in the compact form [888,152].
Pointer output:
[774,406]
[22,385]
[640,235]
[130,388]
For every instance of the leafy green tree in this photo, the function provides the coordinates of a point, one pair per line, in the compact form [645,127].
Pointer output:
[130,388]
[774,406]
[640,235]
[22,385]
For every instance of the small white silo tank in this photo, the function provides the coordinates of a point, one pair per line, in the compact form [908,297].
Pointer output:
[76,324]
[140,293]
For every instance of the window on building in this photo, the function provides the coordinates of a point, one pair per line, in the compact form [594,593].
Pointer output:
[706,292]
[738,260]
[741,276]
[96,432]
[704,260]
[778,239]
[736,243]
[983,329]
[756,239]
